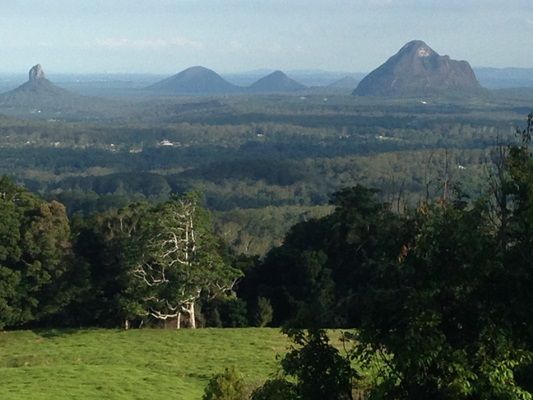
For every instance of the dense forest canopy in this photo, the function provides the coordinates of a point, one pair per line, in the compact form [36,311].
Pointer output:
[244,153]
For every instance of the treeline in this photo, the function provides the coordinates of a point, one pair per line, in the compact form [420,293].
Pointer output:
[136,265]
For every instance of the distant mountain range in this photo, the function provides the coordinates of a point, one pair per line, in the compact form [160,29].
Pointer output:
[203,81]
[417,70]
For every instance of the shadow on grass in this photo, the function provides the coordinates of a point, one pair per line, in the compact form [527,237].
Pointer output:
[50,333]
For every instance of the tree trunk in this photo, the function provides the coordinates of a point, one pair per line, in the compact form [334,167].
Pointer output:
[192,317]
[126,324]
[178,321]
[189,309]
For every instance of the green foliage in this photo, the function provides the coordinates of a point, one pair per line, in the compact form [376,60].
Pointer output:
[263,312]
[448,315]
[275,389]
[233,313]
[427,309]
[228,385]
[149,261]
[179,259]
[105,244]
[314,277]
[35,257]
[312,370]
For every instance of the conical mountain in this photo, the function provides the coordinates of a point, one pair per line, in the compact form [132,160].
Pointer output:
[276,82]
[417,70]
[36,92]
[194,81]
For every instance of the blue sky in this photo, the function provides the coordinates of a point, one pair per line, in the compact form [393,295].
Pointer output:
[166,36]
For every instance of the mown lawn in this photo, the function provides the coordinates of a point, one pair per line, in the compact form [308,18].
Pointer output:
[136,364]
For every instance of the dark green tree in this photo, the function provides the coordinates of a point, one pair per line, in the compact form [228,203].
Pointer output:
[314,278]
[448,313]
[106,244]
[35,257]
[312,370]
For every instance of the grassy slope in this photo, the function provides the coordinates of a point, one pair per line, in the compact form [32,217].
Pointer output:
[137,364]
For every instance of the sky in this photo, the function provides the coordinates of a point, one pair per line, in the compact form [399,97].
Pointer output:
[166,36]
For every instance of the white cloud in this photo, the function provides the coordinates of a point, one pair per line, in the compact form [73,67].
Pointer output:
[147,44]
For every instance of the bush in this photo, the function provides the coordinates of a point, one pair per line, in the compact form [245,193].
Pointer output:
[275,389]
[233,313]
[263,312]
[321,373]
[228,385]
[312,370]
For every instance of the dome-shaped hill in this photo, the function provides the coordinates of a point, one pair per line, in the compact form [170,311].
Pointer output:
[276,82]
[194,81]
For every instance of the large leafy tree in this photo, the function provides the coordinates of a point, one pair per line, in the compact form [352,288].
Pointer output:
[312,369]
[427,312]
[106,246]
[315,277]
[35,256]
[450,313]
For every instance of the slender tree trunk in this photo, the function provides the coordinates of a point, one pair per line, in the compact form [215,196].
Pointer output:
[192,317]
[126,324]
[189,309]
[178,321]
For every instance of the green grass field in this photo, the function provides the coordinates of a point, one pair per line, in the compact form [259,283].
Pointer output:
[136,364]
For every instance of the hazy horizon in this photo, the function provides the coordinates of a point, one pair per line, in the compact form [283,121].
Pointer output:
[237,36]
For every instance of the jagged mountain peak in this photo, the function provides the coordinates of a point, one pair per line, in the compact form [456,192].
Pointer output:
[37,92]
[36,73]
[418,70]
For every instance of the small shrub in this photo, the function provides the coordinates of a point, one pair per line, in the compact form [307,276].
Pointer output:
[275,389]
[228,385]
[213,320]
[263,313]
[233,313]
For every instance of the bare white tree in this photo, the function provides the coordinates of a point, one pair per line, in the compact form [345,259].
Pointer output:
[181,262]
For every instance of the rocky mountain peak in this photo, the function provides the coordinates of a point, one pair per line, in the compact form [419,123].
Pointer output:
[36,73]
[417,70]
